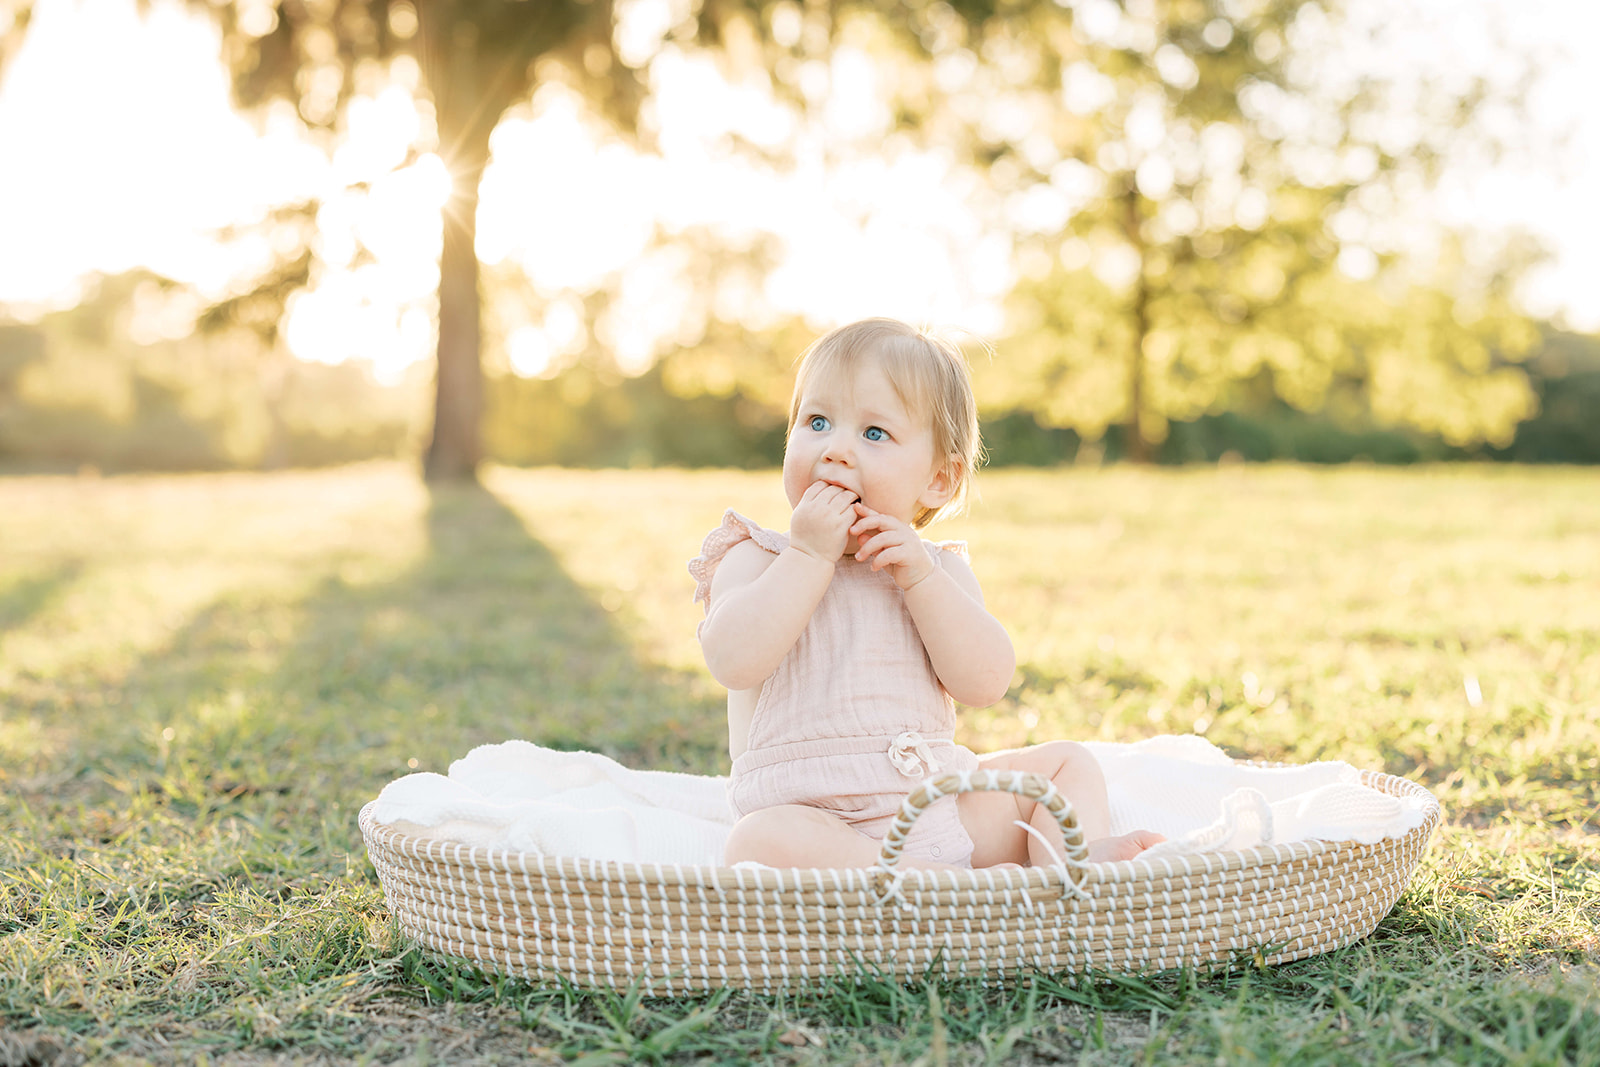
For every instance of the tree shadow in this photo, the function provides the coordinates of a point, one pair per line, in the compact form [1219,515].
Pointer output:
[489,638]
[484,638]
[32,594]
[208,797]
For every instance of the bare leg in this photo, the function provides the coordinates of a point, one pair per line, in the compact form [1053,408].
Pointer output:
[988,817]
[794,835]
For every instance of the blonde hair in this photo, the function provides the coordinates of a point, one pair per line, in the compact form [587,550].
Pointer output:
[929,375]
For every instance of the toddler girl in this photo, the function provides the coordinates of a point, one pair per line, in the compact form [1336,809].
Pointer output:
[844,642]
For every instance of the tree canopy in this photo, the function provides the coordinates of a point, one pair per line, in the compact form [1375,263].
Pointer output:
[1196,192]
[471,60]
[1204,197]
[475,59]
[1200,190]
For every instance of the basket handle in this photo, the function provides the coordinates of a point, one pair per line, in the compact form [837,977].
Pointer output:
[1035,787]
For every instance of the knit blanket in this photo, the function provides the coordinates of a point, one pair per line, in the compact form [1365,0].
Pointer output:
[525,798]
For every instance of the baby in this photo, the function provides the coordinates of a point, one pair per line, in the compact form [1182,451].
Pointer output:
[845,643]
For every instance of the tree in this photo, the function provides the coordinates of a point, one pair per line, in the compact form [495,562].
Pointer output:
[477,58]
[1189,150]
[1192,181]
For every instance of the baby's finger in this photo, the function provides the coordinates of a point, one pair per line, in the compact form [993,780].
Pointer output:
[892,556]
[841,489]
[813,491]
[876,544]
[827,495]
[901,557]
[869,522]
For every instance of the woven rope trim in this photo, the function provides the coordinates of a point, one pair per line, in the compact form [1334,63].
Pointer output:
[1035,787]
[690,928]
[829,878]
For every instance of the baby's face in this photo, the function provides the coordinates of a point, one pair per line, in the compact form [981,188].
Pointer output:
[853,431]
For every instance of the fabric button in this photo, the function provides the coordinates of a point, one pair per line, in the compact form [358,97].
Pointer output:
[935,851]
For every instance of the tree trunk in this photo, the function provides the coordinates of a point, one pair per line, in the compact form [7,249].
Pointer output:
[457,447]
[1138,447]
[274,378]
[465,120]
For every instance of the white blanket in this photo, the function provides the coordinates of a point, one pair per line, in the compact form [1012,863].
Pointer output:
[1191,791]
[522,797]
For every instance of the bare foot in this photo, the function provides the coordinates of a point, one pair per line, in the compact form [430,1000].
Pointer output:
[1126,847]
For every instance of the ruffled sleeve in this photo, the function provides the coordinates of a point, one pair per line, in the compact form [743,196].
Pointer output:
[955,548]
[734,528]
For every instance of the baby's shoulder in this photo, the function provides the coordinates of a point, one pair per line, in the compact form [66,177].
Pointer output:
[953,558]
[741,565]
[734,553]
[950,550]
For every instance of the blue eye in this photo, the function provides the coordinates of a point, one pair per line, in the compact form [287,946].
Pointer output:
[819,423]
[876,433]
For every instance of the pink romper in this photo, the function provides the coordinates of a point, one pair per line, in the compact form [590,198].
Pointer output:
[854,717]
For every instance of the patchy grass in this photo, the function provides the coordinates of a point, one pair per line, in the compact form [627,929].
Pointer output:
[203,678]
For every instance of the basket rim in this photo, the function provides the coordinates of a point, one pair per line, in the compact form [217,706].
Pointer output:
[385,839]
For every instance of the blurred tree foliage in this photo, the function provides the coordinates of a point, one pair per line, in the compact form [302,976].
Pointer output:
[77,389]
[1418,358]
[1186,176]
[673,416]
[473,60]
[588,418]
[124,382]
[1566,381]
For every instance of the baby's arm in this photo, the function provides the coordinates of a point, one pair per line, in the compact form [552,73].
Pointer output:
[760,604]
[969,648]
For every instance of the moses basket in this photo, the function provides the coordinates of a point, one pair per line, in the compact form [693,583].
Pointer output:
[676,929]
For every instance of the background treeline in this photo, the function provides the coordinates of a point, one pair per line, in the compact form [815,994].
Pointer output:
[1215,218]
[75,390]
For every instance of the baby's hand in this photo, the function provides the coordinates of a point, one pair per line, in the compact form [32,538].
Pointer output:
[895,545]
[820,525]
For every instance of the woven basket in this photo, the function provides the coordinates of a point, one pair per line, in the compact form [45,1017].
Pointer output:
[690,928]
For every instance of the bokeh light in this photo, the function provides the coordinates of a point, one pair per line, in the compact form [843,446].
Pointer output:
[133,157]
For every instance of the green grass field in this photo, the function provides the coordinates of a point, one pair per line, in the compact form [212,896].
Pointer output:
[203,678]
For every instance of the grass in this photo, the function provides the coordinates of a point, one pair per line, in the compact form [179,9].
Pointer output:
[203,678]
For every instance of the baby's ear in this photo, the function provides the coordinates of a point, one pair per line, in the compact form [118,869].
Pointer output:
[942,486]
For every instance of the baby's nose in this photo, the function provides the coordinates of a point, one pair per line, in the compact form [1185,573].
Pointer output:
[838,451]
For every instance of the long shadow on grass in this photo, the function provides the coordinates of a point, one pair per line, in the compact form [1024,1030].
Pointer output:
[248,899]
[486,638]
[212,800]
[32,594]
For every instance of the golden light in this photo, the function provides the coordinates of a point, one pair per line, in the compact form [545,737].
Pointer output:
[121,150]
